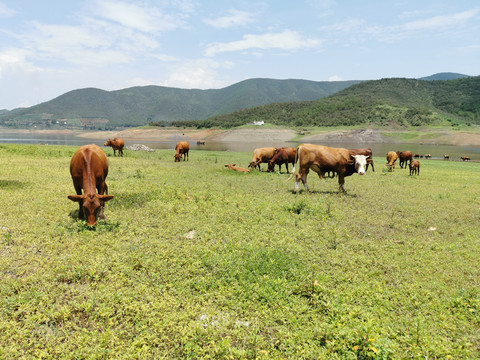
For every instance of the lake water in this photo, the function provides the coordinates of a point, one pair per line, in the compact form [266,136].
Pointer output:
[437,151]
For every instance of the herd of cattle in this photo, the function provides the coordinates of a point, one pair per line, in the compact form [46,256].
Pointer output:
[89,168]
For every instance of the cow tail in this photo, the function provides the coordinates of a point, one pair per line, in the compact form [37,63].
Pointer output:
[297,157]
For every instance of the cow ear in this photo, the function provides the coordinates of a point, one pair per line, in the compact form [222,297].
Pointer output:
[76,198]
[105,197]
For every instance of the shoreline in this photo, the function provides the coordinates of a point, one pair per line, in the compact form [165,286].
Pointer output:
[259,134]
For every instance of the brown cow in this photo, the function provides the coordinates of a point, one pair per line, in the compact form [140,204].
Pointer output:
[404,157]
[283,155]
[368,153]
[116,144]
[181,148]
[391,159]
[237,168]
[89,169]
[322,159]
[414,167]
[262,155]
[465,158]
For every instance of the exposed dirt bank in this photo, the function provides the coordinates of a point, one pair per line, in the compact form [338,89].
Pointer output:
[259,134]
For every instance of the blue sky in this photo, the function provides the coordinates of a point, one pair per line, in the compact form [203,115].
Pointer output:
[51,47]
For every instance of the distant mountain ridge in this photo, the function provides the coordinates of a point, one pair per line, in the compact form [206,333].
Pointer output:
[445,76]
[137,106]
[385,102]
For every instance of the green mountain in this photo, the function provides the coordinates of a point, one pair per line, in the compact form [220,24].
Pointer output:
[95,108]
[444,76]
[406,102]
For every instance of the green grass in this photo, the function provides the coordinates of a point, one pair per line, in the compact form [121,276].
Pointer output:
[196,261]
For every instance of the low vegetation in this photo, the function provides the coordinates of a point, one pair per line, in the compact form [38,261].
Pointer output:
[197,261]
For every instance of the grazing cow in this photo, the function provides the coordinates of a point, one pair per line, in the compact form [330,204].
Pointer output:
[391,159]
[414,167]
[322,159]
[201,142]
[181,148]
[428,156]
[89,169]
[116,144]
[368,153]
[465,158]
[416,156]
[234,167]
[404,157]
[446,157]
[262,155]
[283,155]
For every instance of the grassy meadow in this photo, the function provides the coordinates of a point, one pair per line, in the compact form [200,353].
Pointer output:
[195,261]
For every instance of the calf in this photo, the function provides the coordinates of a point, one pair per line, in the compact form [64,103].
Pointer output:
[89,169]
[465,158]
[283,155]
[116,144]
[414,167]
[237,168]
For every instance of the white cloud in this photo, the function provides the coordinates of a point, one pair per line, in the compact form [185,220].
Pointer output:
[286,40]
[233,18]
[200,74]
[138,17]
[440,22]
[5,11]
[335,78]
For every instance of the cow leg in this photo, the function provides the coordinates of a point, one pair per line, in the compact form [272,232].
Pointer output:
[302,177]
[286,165]
[102,189]
[120,152]
[81,215]
[341,182]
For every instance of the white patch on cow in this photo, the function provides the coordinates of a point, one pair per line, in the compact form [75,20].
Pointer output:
[360,163]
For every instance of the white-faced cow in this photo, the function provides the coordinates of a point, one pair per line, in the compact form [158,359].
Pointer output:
[368,153]
[89,169]
[323,159]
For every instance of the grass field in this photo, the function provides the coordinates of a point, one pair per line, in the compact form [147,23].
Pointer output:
[195,261]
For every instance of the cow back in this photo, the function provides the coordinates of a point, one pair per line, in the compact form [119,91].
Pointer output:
[89,166]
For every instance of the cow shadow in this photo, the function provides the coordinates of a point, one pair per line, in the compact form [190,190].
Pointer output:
[12,184]
[324,192]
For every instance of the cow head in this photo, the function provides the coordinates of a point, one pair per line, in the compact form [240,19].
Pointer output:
[91,205]
[178,157]
[108,143]
[271,166]
[360,162]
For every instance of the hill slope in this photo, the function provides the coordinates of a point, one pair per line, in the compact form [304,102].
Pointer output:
[382,102]
[140,105]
